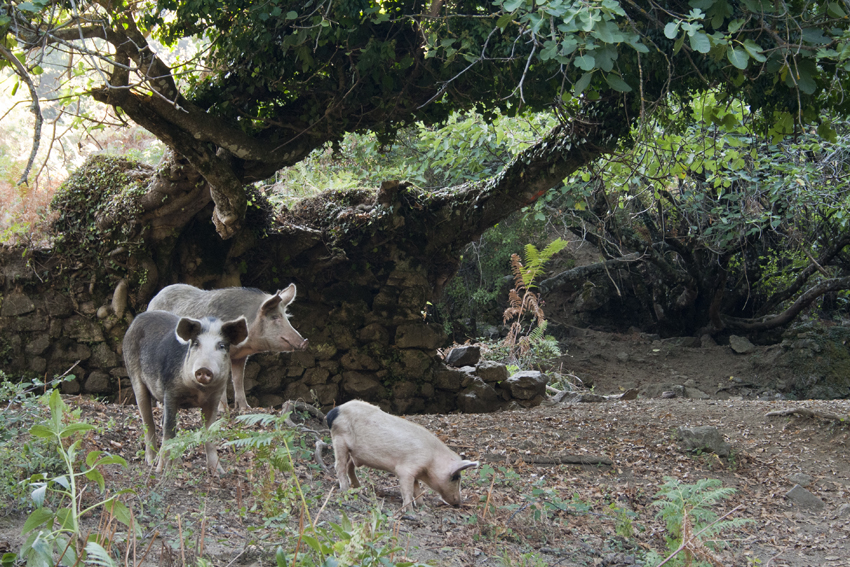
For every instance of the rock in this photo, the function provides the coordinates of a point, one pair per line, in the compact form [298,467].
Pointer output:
[326,394]
[316,376]
[695,394]
[527,385]
[374,333]
[703,438]
[361,385]
[119,298]
[104,357]
[491,371]
[97,383]
[83,329]
[801,497]
[463,356]
[38,345]
[741,345]
[404,389]
[479,397]
[449,379]
[802,479]
[15,304]
[419,336]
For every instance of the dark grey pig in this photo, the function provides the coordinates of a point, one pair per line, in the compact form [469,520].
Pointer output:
[268,322]
[183,363]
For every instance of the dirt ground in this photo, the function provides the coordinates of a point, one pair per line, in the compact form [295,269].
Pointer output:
[517,512]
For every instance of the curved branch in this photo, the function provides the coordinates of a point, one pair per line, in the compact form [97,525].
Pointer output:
[794,287]
[21,71]
[774,321]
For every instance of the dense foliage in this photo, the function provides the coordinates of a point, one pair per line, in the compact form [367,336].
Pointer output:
[272,81]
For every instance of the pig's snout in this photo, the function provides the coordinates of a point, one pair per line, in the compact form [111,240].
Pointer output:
[203,375]
[296,345]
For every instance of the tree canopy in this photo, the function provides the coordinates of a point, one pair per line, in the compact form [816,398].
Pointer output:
[272,81]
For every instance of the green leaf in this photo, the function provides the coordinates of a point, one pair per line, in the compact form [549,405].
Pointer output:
[754,50]
[826,132]
[291,15]
[512,5]
[585,62]
[617,83]
[671,30]
[835,10]
[96,476]
[737,57]
[9,559]
[75,428]
[679,43]
[700,42]
[120,511]
[582,83]
[41,431]
[504,20]
[39,517]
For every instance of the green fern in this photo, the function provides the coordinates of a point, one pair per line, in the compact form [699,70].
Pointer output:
[686,510]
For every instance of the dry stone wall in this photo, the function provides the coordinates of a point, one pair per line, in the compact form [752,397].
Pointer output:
[368,340]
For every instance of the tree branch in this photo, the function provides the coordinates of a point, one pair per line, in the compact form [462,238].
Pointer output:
[21,71]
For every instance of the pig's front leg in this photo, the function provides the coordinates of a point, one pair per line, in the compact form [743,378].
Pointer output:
[169,430]
[238,375]
[210,413]
[409,488]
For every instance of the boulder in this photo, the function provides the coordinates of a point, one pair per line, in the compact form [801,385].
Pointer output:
[527,385]
[464,356]
[704,438]
[741,345]
[479,397]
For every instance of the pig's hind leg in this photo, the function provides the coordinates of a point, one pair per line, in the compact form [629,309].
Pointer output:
[143,400]
[344,466]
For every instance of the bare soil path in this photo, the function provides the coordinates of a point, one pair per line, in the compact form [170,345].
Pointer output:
[515,512]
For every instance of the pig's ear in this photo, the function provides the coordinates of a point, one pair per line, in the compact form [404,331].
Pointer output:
[270,304]
[187,329]
[287,295]
[462,466]
[235,331]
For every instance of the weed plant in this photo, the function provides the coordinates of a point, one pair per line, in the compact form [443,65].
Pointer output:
[22,455]
[55,536]
[692,526]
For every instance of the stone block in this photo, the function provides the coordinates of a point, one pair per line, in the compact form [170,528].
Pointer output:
[419,335]
[316,376]
[374,333]
[703,438]
[104,357]
[361,385]
[15,304]
[83,329]
[97,383]
[449,379]
[491,371]
[479,397]
[468,355]
[527,384]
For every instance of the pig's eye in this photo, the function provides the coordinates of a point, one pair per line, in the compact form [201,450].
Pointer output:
[195,343]
[222,346]
[275,317]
